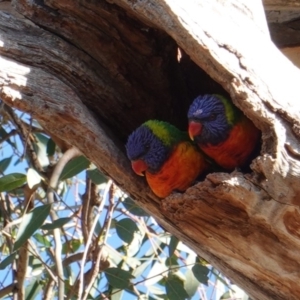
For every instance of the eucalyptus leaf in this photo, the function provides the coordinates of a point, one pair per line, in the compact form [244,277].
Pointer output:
[12,181]
[117,294]
[33,289]
[175,289]
[50,147]
[118,278]
[71,246]
[74,167]
[135,244]
[42,239]
[126,229]
[172,261]
[30,223]
[142,267]
[96,176]
[33,178]
[201,273]
[4,163]
[234,293]
[36,265]
[7,260]
[191,283]
[41,148]
[173,245]
[56,224]
[157,290]
[157,272]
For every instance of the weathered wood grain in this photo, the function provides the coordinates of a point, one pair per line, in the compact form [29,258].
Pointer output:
[118,60]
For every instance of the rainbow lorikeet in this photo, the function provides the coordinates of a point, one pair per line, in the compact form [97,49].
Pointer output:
[166,156]
[222,131]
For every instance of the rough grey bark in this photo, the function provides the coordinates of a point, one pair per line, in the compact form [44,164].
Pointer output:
[61,59]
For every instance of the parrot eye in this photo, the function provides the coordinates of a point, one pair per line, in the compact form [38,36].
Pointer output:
[212,117]
[147,147]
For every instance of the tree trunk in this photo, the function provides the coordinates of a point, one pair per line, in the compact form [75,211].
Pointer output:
[92,71]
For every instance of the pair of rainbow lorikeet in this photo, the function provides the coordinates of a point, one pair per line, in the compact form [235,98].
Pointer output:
[172,161]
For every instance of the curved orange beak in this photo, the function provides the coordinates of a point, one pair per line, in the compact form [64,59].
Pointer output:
[139,167]
[195,129]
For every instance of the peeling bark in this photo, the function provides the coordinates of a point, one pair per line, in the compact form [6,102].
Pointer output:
[244,231]
[281,4]
[90,72]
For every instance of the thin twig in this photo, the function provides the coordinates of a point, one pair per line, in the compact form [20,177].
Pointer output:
[5,211]
[53,182]
[13,223]
[72,258]
[21,264]
[8,136]
[15,281]
[26,139]
[32,128]
[161,273]
[86,210]
[22,260]
[109,216]
[93,272]
[7,290]
[48,293]
[87,246]
[32,249]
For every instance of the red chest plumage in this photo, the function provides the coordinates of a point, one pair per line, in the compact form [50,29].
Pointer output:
[179,171]
[235,151]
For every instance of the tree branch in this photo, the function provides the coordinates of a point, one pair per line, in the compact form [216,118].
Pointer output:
[235,221]
[89,241]
[53,182]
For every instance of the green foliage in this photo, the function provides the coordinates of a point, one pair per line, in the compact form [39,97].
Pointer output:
[118,278]
[56,224]
[201,273]
[42,239]
[96,176]
[33,178]
[8,260]
[175,289]
[74,167]
[41,148]
[33,289]
[11,181]
[235,293]
[4,163]
[130,256]
[71,246]
[50,147]
[31,222]
[191,283]
[173,245]
[126,229]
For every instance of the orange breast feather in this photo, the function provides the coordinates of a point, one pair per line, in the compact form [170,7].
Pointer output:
[179,171]
[235,151]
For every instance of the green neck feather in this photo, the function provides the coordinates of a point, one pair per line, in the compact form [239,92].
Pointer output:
[231,111]
[166,132]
